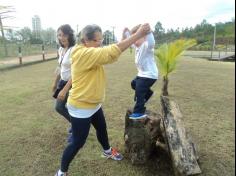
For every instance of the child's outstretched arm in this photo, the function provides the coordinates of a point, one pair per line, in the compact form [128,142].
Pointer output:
[141,32]
[150,40]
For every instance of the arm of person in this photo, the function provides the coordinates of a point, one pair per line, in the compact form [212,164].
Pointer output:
[54,86]
[110,53]
[62,94]
[141,32]
[149,44]
[150,40]
[57,72]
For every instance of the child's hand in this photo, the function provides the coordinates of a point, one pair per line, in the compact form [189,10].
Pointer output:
[143,30]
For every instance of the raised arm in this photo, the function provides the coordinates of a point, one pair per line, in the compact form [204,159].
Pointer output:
[150,40]
[141,32]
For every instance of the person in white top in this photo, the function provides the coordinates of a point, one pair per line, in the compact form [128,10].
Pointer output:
[62,83]
[147,71]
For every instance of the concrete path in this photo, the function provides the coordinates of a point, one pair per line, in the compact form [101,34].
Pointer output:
[25,59]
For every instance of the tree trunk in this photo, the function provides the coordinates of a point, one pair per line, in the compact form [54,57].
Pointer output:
[161,132]
[165,86]
[182,149]
[4,39]
[141,137]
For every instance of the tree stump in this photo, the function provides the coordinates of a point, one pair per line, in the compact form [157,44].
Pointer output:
[141,136]
[165,132]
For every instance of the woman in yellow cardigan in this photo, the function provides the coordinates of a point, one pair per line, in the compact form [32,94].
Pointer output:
[88,90]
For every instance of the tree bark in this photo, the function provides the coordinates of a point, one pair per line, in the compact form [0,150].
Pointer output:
[141,137]
[3,37]
[181,148]
[165,86]
[161,132]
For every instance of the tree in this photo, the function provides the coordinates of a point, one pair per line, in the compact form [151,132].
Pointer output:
[25,34]
[159,31]
[108,37]
[11,35]
[167,57]
[4,14]
[49,36]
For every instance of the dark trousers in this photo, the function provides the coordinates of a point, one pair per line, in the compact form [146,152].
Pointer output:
[61,104]
[143,92]
[80,131]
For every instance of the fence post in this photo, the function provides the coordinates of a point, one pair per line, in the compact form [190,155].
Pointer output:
[20,55]
[43,52]
[226,49]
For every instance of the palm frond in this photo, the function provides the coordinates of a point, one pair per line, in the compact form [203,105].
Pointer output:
[168,54]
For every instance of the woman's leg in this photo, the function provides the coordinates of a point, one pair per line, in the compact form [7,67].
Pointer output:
[61,108]
[80,131]
[99,123]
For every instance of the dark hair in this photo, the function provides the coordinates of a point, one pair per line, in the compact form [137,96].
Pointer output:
[88,31]
[67,30]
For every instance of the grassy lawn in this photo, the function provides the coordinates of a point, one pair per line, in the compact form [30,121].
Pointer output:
[33,135]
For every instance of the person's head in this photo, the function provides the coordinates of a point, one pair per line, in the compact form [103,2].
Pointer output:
[141,40]
[65,35]
[91,36]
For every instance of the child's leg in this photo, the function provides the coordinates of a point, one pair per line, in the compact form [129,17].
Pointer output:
[143,93]
[133,86]
[149,92]
[140,91]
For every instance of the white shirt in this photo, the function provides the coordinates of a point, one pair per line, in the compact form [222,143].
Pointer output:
[64,60]
[82,113]
[144,58]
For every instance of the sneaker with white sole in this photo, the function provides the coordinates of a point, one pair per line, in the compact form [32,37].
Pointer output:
[137,116]
[113,154]
[59,173]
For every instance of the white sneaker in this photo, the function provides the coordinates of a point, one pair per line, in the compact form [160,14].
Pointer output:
[113,154]
[59,173]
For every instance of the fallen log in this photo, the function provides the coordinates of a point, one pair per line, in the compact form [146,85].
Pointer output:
[180,146]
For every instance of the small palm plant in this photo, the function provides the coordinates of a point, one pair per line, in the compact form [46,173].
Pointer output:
[167,57]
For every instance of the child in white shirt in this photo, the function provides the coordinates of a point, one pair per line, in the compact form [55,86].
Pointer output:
[147,71]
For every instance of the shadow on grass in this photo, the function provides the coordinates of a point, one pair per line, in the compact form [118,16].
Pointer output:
[158,165]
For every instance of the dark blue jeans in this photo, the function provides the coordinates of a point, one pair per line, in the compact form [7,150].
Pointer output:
[80,131]
[61,104]
[143,92]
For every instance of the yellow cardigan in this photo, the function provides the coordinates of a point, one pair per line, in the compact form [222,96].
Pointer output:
[87,73]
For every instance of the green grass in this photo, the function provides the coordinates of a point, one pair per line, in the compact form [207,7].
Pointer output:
[33,135]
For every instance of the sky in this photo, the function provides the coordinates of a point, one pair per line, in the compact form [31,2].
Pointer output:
[119,13]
